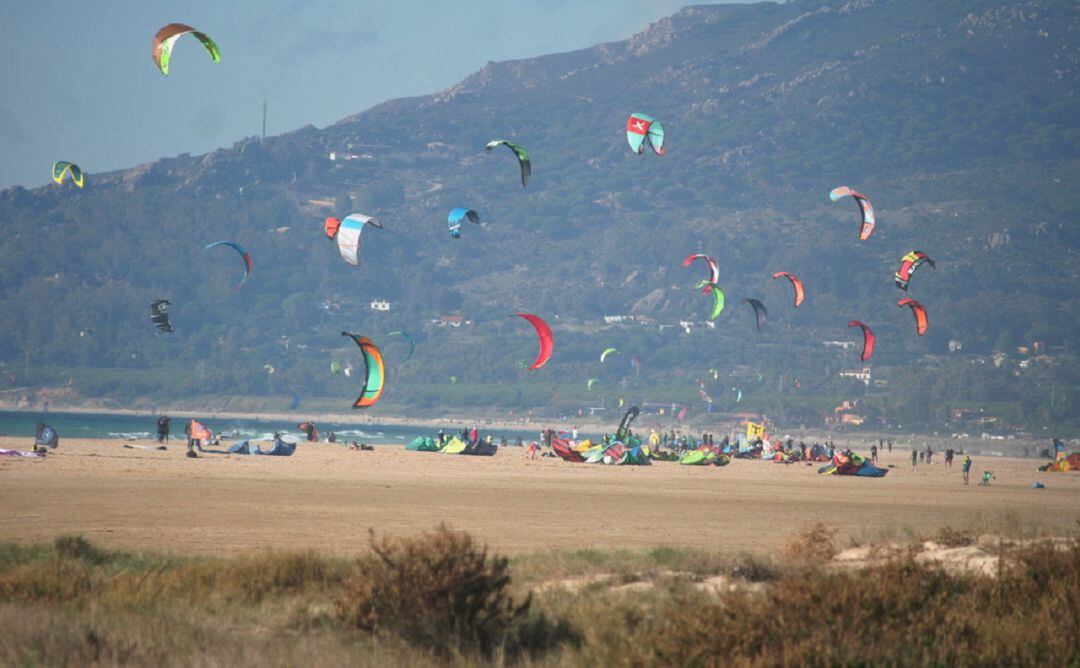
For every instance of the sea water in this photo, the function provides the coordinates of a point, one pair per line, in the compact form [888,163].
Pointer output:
[144,427]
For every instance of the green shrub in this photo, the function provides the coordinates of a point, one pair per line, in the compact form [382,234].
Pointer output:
[439,591]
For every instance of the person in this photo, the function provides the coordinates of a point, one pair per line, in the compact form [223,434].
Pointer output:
[163,429]
[191,440]
[442,437]
[914,458]
[922,456]
[310,431]
[986,479]
[890,445]
[502,442]
[519,442]
[573,434]
[474,435]
[873,453]
[331,437]
[949,452]
[965,467]
[534,447]
[929,454]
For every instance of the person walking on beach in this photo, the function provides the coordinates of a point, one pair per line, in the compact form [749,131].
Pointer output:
[949,452]
[914,458]
[873,453]
[965,467]
[890,445]
[163,429]
[929,454]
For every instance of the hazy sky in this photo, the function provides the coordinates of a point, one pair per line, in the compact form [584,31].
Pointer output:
[77,82]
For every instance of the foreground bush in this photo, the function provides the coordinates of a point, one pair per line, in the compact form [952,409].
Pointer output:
[439,591]
[901,613]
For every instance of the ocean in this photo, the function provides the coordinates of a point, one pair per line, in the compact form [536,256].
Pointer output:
[144,427]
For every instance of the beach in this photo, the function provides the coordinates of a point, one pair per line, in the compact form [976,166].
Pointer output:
[327,497]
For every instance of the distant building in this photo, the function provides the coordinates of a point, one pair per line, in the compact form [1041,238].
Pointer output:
[451,321]
[380,305]
[844,345]
[862,376]
[616,319]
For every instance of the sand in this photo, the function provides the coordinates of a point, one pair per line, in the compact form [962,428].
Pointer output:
[326,497]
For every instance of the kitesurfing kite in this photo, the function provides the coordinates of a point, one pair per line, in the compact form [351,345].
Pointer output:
[159,314]
[795,283]
[547,341]
[166,38]
[918,311]
[640,127]
[457,215]
[411,341]
[243,255]
[864,206]
[590,383]
[347,235]
[868,339]
[607,351]
[908,264]
[760,314]
[522,156]
[64,168]
[714,269]
[373,377]
[624,425]
[718,298]
[335,367]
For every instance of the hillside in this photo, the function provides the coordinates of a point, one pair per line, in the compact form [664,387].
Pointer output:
[957,117]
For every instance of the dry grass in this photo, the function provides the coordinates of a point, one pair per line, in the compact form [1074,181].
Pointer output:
[442,599]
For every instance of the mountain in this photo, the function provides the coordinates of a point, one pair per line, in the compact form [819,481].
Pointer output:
[956,117]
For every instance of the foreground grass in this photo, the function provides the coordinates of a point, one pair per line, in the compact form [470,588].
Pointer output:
[441,599]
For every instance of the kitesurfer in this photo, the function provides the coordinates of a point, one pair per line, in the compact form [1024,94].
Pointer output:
[965,467]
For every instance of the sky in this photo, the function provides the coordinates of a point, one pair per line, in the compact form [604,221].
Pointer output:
[77,82]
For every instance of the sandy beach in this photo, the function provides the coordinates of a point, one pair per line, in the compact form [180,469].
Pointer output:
[326,497]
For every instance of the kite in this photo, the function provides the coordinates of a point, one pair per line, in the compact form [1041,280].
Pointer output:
[243,255]
[590,383]
[607,351]
[348,236]
[166,38]
[868,220]
[373,378]
[411,340]
[738,394]
[269,368]
[714,269]
[46,436]
[918,311]
[547,341]
[522,156]
[159,314]
[335,367]
[62,168]
[718,298]
[908,264]
[795,283]
[759,311]
[458,214]
[640,128]
[868,339]
[624,425]
[331,225]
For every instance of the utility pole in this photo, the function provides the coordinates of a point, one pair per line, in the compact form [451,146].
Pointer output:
[264,122]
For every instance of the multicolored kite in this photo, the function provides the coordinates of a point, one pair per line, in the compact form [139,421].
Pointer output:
[718,298]
[243,255]
[64,168]
[908,264]
[522,156]
[457,215]
[166,38]
[373,378]
[867,210]
[640,127]
[714,269]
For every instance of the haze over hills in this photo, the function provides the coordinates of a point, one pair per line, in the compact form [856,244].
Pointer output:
[957,118]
